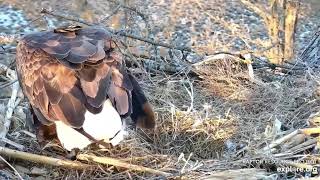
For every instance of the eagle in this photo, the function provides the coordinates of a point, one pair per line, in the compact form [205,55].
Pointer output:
[79,87]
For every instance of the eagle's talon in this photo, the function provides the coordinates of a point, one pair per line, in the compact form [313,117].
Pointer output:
[72,155]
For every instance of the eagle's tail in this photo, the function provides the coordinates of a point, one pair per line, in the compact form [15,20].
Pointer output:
[142,112]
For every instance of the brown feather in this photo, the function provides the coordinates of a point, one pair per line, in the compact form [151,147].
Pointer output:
[148,119]
[142,113]
[119,98]
[69,71]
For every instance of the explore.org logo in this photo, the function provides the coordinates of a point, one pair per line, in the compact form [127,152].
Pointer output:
[285,166]
[288,169]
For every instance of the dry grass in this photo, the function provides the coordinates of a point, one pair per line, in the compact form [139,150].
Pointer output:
[203,127]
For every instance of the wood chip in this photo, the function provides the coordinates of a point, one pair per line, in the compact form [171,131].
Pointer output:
[38,171]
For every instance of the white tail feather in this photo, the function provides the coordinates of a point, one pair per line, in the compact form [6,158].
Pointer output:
[104,125]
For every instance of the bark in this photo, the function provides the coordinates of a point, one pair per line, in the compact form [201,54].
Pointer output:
[291,17]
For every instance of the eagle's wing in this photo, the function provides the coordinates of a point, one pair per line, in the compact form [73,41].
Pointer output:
[66,72]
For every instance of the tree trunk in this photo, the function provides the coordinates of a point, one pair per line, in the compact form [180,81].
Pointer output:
[275,53]
[291,16]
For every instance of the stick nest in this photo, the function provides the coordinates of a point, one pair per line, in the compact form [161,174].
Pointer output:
[204,127]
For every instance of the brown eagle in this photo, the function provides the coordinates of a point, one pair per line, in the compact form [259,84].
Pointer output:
[78,84]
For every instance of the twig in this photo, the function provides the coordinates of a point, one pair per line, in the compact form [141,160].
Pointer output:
[42,159]
[120,33]
[119,163]
[12,103]
[29,23]
[129,8]
[310,131]
[309,47]
[14,169]
[281,140]
[29,134]
[301,147]
[45,11]
[307,131]
[250,72]
[10,108]
[12,143]
[218,56]
[248,61]
[190,93]
[186,163]
[110,15]
[4,85]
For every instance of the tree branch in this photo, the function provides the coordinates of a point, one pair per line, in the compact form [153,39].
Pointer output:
[129,8]
[13,101]
[42,159]
[45,11]
[119,33]
[110,15]
[119,163]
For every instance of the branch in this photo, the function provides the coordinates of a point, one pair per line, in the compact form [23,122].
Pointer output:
[143,16]
[11,74]
[4,85]
[45,11]
[14,169]
[310,131]
[12,143]
[7,119]
[256,9]
[279,141]
[110,15]
[129,8]
[119,163]
[120,33]
[4,38]
[74,164]
[303,146]
[42,159]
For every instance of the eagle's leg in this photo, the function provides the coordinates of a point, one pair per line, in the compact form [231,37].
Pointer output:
[43,132]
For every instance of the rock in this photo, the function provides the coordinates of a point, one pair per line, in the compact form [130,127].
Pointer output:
[230,146]
[40,178]
[4,175]
[22,169]
[38,171]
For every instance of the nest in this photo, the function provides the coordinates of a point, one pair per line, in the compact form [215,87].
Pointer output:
[208,128]
[224,77]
